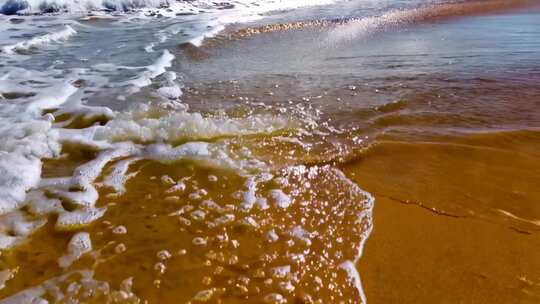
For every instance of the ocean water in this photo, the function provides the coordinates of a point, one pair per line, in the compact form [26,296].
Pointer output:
[154,151]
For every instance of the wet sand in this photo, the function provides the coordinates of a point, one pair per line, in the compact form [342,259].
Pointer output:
[195,243]
[417,256]
[437,234]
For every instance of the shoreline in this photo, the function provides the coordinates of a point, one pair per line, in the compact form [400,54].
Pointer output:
[254,180]
[367,25]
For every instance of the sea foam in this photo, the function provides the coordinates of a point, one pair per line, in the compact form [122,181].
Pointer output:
[40,41]
[47,6]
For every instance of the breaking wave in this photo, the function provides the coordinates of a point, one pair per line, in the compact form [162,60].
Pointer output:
[39,41]
[173,7]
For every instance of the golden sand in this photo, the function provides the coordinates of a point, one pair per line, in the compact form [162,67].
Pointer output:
[424,249]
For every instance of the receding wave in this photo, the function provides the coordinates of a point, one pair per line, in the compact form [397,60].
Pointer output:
[258,220]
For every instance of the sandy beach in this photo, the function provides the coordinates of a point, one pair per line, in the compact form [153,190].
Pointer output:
[475,255]
[284,152]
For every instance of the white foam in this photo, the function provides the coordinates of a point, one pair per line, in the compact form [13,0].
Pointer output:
[149,48]
[301,234]
[199,39]
[281,199]
[119,175]
[156,127]
[73,220]
[25,138]
[40,41]
[40,205]
[249,198]
[32,138]
[272,236]
[79,244]
[15,226]
[75,108]
[171,92]
[170,89]
[84,176]
[37,6]
[281,272]
[152,71]
[18,174]
[354,276]
[172,7]
[152,124]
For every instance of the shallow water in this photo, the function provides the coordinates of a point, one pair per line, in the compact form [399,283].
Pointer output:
[142,162]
